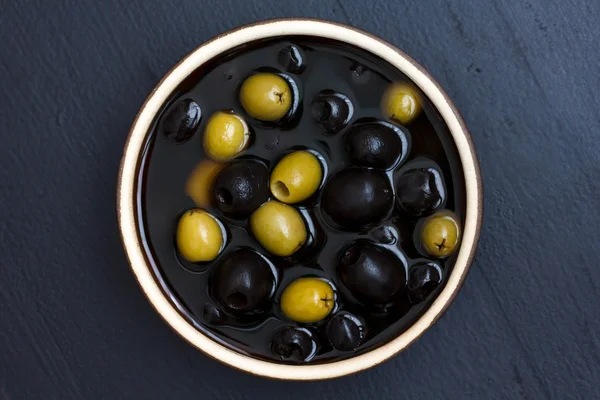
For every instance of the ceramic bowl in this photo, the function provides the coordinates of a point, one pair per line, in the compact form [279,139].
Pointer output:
[127,204]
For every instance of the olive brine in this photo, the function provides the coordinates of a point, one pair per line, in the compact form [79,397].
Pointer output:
[300,200]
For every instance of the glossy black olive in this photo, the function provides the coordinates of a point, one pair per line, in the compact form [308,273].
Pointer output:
[420,191]
[294,344]
[372,273]
[357,198]
[385,234]
[291,59]
[181,121]
[331,110]
[212,315]
[243,282]
[423,278]
[345,331]
[375,144]
[240,188]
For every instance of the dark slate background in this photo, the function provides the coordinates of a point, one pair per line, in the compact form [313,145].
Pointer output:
[525,74]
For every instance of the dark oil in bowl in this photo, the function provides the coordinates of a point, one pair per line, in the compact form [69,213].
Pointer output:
[165,167]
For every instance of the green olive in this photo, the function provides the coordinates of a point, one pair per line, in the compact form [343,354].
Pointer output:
[307,300]
[199,183]
[279,228]
[439,234]
[225,136]
[296,177]
[266,96]
[199,236]
[401,103]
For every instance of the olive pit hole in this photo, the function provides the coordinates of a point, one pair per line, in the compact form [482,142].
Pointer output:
[224,196]
[280,189]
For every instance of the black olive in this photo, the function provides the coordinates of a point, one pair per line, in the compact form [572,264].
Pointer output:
[291,59]
[420,191]
[423,278]
[357,198]
[294,344]
[360,74]
[345,331]
[373,274]
[243,282]
[331,110]
[375,144]
[213,315]
[385,234]
[181,121]
[240,188]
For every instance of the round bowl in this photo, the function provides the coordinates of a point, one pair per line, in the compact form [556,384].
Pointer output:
[127,205]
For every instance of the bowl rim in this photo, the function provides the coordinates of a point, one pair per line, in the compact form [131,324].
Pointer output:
[127,182]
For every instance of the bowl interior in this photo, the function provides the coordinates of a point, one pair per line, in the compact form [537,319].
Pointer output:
[147,273]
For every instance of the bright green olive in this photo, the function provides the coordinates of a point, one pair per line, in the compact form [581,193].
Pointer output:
[401,103]
[199,236]
[296,177]
[307,300]
[439,234]
[266,96]
[279,228]
[225,136]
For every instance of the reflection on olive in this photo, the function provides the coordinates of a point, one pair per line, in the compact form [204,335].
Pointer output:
[420,191]
[439,234]
[307,300]
[243,282]
[266,96]
[294,344]
[357,198]
[374,144]
[423,278]
[345,331]
[372,273]
[401,103]
[226,135]
[181,120]
[296,177]
[291,58]
[240,188]
[279,228]
[331,110]
[199,236]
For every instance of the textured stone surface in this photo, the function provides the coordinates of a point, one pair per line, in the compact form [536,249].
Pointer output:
[73,323]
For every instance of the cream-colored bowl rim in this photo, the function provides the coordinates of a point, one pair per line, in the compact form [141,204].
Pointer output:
[126,194]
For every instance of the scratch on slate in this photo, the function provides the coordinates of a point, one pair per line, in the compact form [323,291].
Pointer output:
[38,352]
[518,379]
[527,355]
[593,344]
[339,2]
[70,375]
[514,41]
